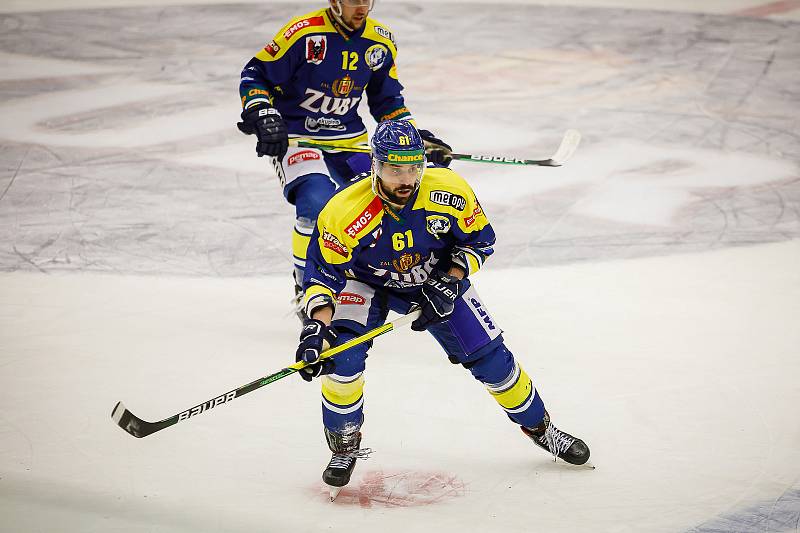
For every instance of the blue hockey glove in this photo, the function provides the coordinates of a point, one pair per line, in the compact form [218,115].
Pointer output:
[439,295]
[436,150]
[268,125]
[312,337]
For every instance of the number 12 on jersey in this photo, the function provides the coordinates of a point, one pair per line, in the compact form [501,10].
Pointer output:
[349,60]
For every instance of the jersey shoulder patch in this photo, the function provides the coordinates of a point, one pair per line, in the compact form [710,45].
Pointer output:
[294,31]
[445,191]
[353,211]
[380,33]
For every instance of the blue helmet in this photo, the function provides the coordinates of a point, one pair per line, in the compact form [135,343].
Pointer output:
[398,142]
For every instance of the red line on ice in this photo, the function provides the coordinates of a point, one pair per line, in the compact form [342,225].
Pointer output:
[773,8]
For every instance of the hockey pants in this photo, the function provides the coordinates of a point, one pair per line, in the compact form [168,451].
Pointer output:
[471,337]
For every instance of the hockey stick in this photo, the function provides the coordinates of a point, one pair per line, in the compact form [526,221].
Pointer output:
[142,428]
[569,143]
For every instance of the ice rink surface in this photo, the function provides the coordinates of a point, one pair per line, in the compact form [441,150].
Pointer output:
[651,286]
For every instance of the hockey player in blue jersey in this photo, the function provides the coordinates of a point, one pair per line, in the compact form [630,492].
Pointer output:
[408,236]
[307,84]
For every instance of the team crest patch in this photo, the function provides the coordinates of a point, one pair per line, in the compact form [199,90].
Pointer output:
[375,56]
[342,86]
[406,261]
[437,224]
[316,46]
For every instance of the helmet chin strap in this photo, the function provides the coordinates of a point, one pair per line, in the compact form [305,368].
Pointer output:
[336,9]
[376,187]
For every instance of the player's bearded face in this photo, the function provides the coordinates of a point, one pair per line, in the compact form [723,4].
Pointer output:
[398,182]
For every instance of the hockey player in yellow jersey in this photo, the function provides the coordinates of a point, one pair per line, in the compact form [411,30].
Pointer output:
[306,84]
[407,237]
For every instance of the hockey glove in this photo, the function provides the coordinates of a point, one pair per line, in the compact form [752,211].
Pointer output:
[439,295]
[313,339]
[436,150]
[268,125]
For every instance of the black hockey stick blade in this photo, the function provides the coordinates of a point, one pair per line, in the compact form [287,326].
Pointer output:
[132,423]
[141,428]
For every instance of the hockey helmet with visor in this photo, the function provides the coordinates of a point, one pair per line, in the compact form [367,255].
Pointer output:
[398,160]
[336,5]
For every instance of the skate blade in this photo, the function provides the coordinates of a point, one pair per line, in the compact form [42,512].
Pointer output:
[334,492]
[588,465]
[585,466]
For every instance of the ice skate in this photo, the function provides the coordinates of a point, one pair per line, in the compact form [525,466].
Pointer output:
[345,451]
[338,472]
[559,443]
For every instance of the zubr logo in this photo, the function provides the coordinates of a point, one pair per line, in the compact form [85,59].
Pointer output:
[319,102]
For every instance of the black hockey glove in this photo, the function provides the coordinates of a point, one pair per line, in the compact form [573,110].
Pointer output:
[439,295]
[312,337]
[436,150]
[268,125]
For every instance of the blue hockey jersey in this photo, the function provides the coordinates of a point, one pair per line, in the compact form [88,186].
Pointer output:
[315,73]
[359,237]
